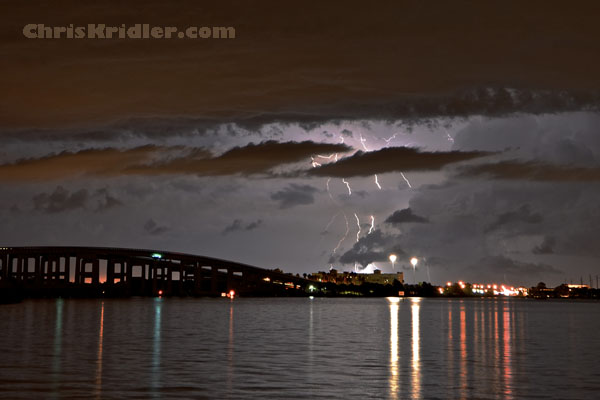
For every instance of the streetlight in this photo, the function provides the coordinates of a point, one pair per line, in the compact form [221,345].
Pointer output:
[414,262]
[393,259]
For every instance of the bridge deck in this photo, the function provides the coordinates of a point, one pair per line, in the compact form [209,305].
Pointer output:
[120,271]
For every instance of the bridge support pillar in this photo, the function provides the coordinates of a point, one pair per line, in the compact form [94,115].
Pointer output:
[214,280]
[197,278]
[229,279]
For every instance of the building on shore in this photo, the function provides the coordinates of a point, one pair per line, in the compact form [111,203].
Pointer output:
[354,278]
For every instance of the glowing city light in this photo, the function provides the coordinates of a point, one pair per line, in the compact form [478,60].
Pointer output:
[156,255]
[393,259]
[414,261]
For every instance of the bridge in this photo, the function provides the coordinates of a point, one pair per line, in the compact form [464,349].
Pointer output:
[107,271]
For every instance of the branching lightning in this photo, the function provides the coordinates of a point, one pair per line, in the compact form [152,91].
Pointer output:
[348,186]
[377,182]
[388,140]
[329,192]
[362,141]
[331,221]
[325,157]
[345,235]
[450,138]
[406,180]
[358,225]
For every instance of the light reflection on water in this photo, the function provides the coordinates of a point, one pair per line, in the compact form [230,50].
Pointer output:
[57,345]
[156,344]
[299,348]
[394,371]
[416,357]
[99,356]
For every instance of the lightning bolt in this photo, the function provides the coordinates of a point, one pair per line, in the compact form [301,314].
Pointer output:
[372,225]
[388,140]
[314,163]
[331,221]
[329,192]
[344,237]
[357,224]
[325,157]
[348,186]
[450,138]
[377,182]
[407,182]
[362,141]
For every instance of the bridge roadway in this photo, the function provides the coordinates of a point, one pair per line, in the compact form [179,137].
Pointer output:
[97,271]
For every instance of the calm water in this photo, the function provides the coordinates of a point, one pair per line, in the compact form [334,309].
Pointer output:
[300,348]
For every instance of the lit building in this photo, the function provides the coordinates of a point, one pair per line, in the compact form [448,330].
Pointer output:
[353,278]
[383,279]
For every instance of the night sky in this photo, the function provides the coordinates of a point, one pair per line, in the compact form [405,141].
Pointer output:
[466,134]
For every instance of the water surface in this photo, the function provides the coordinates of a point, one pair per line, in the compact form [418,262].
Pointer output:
[300,348]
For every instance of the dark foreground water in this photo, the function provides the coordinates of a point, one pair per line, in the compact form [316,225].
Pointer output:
[300,348]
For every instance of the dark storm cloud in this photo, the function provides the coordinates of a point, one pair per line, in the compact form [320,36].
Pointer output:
[60,200]
[521,215]
[546,247]
[295,195]
[332,70]
[239,225]
[106,201]
[500,266]
[530,171]
[393,159]
[156,160]
[375,247]
[94,162]
[151,227]
[250,159]
[491,102]
[405,216]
